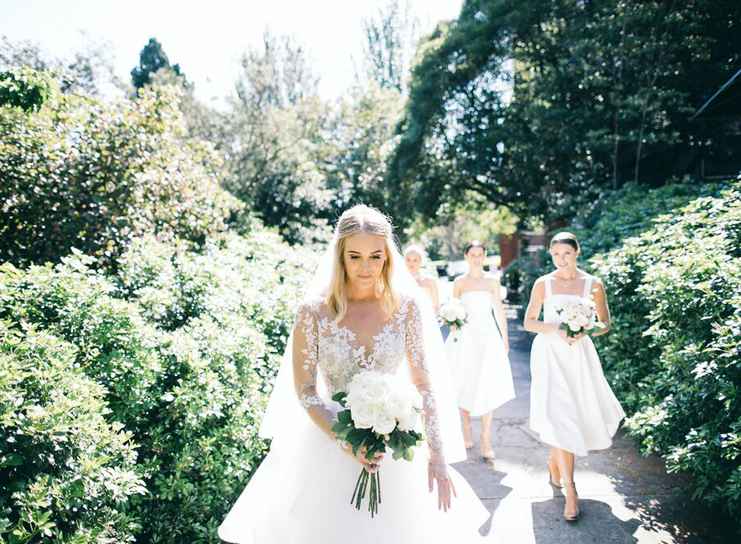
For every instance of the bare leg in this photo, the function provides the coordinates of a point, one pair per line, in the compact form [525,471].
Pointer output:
[486,449]
[554,472]
[467,434]
[565,461]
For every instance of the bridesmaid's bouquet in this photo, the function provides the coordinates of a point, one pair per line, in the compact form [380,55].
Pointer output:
[454,315]
[579,317]
[381,412]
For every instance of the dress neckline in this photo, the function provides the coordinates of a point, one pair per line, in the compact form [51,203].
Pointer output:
[364,351]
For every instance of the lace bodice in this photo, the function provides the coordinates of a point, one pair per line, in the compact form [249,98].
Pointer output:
[323,346]
[340,355]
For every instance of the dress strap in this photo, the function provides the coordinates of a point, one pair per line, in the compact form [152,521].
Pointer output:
[587,287]
[548,288]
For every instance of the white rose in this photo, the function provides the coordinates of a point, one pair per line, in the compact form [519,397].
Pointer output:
[408,420]
[574,327]
[384,425]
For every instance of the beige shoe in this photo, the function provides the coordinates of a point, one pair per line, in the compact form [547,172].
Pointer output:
[571,516]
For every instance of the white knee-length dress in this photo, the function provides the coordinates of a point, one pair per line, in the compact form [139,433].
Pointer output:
[478,359]
[571,404]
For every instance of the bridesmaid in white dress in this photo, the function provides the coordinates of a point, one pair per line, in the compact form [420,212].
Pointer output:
[415,257]
[572,407]
[478,352]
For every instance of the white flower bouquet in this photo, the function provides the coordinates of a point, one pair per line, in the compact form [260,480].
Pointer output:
[579,317]
[453,314]
[380,413]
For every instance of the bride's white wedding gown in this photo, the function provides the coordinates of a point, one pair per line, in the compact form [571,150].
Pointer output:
[301,492]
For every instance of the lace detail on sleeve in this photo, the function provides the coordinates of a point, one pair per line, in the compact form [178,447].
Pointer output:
[305,363]
[414,343]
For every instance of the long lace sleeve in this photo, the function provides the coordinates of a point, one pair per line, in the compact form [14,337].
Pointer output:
[305,361]
[415,349]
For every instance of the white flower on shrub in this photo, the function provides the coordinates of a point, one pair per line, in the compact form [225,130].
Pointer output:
[379,401]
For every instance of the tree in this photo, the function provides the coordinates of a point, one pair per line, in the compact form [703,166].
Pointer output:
[455,225]
[151,60]
[89,71]
[77,172]
[362,138]
[390,39]
[277,139]
[603,91]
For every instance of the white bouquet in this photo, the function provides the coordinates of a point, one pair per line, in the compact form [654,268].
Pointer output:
[453,314]
[381,412]
[579,317]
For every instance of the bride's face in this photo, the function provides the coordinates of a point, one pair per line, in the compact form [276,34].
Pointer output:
[563,256]
[413,261]
[364,257]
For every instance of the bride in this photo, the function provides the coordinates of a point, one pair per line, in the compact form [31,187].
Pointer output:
[364,311]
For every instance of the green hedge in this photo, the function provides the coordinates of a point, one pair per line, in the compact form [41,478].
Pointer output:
[673,353]
[80,173]
[619,215]
[65,472]
[183,346]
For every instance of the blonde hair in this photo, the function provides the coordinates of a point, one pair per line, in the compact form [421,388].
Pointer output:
[366,220]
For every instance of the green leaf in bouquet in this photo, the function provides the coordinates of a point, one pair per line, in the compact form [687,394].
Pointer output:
[345,417]
[340,397]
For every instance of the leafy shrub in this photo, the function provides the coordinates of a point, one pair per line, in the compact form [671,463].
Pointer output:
[521,274]
[24,88]
[621,214]
[66,474]
[632,210]
[93,176]
[184,344]
[673,353]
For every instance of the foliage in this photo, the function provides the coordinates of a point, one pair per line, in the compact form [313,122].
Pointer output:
[632,210]
[672,355]
[519,277]
[361,142]
[542,106]
[152,59]
[276,139]
[617,216]
[24,88]
[390,39]
[80,173]
[457,225]
[88,71]
[66,474]
[183,347]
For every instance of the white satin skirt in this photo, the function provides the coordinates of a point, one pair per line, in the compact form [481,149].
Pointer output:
[572,406]
[301,494]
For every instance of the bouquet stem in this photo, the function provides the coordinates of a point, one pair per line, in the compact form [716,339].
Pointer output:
[367,484]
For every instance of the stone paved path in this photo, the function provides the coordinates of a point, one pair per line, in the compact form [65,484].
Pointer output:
[625,498]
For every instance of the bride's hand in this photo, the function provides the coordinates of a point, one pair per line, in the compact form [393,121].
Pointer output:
[438,470]
[371,466]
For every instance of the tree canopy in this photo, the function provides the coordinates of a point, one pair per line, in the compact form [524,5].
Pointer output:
[601,93]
